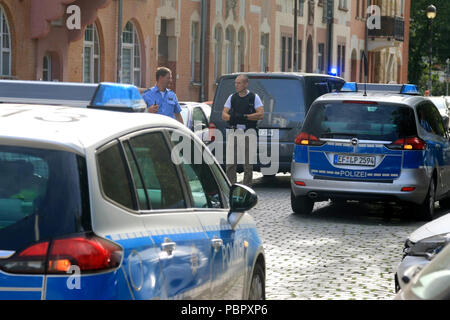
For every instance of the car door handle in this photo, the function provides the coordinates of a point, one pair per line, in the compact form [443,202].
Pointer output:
[217,244]
[168,246]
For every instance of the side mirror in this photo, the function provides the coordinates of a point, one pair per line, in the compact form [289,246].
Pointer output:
[242,199]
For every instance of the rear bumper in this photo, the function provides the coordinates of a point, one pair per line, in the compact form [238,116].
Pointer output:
[323,188]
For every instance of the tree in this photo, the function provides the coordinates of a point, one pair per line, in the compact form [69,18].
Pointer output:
[420,39]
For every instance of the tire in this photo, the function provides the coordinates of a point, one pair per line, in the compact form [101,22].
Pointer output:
[301,204]
[258,285]
[425,211]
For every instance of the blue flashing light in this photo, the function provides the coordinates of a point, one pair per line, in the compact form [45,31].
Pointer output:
[333,71]
[349,87]
[410,89]
[118,97]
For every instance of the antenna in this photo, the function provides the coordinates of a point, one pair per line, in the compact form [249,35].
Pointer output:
[366,71]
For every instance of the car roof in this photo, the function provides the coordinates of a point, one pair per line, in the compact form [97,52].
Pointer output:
[281,74]
[382,97]
[71,129]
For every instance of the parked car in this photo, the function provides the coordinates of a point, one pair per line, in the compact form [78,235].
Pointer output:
[286,98]
[94,206]
[372,146]
[421,247]
[442,105]
[431,283]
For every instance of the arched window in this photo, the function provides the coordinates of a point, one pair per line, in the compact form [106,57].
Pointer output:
[47,68]
[131,56]
[5,45]
[230,43]
[218,37]
[91,55]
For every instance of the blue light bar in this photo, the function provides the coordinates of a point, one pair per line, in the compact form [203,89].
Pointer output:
[333,72]
[410,89]
[118,97]
[350,87]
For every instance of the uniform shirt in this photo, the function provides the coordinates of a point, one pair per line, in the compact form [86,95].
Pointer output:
[167,101]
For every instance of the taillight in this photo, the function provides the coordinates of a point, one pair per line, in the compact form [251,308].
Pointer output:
[88,253]
[306,139]
[413,143]
[212,132]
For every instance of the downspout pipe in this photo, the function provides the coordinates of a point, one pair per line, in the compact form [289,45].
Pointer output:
[119,41]
[203,51]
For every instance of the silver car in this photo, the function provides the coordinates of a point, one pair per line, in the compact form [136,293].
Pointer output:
[378,146]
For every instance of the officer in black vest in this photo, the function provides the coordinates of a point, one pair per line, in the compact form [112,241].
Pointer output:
[242,111]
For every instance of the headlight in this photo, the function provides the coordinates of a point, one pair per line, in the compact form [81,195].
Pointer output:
[428,247]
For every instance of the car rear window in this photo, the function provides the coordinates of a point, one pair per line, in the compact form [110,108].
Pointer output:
[283,96]
[43,194]
[362,121]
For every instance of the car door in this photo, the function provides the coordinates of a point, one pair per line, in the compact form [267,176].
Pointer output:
[117,218]
[174,228]
[199,123]
[442,150]
[209,191]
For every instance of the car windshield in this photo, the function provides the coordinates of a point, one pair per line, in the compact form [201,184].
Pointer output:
[282,99]
[362,121]
[434,281]
[43,194]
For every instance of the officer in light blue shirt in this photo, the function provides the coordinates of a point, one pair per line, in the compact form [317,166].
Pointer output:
[160,99]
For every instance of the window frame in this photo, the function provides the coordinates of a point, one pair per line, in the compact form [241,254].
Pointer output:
[94,44]
[4,19]
[132,46]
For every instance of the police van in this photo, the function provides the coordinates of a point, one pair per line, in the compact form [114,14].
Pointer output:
[108,205]
[379,145]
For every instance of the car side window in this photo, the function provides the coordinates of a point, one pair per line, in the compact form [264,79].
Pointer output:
[425,116]
[199,117]
[438,125]
[202,184]
[113,176]
[160,183]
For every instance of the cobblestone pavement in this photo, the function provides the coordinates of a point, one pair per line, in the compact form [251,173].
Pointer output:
[340,251]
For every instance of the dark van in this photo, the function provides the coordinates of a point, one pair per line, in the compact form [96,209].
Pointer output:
[286,98]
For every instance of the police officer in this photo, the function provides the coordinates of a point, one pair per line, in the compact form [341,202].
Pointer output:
[242,110]
[160,99]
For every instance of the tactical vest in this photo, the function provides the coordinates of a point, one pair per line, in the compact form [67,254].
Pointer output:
[244,105]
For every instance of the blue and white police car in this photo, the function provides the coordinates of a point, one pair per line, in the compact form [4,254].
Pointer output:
[372,146]
[106,205]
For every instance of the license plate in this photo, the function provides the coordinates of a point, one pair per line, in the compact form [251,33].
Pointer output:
[265,132]
[350,160]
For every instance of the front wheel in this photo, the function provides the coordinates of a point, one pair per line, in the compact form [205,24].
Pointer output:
[301,204]
[257,286]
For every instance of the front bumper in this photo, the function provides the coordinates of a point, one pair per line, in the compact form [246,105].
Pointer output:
[322,188]
[408,262]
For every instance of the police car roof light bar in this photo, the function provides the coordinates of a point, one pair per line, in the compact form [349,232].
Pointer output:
[117,97]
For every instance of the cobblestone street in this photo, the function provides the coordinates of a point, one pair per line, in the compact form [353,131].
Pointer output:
[340,251]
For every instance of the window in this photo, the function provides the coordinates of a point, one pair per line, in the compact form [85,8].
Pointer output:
[242,8]
[283,54]
[114,177]
[299,54]
[301,8]
[198,117]
[289,54]
[264,52]
[159,183]
[195,51]
[47,68]
[131,56]
[241,50]
[230,44]
[430,119]
[219,7]
[321,58]
[341,60]
[48,184]
[218,53]
[5,45]
[202,185]
[91,55]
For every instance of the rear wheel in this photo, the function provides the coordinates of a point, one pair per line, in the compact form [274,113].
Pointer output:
[425,211]
[301,204]
[257,286]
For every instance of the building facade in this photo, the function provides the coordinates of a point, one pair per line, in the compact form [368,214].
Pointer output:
[81,41]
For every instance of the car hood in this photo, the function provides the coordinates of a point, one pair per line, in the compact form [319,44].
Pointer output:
[433,228]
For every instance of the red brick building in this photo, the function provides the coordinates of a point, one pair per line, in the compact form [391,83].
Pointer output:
[80,40]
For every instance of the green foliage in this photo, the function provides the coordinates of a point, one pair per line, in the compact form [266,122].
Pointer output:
[419,44]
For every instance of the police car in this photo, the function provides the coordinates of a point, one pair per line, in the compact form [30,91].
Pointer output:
[107,205]
[375,146]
